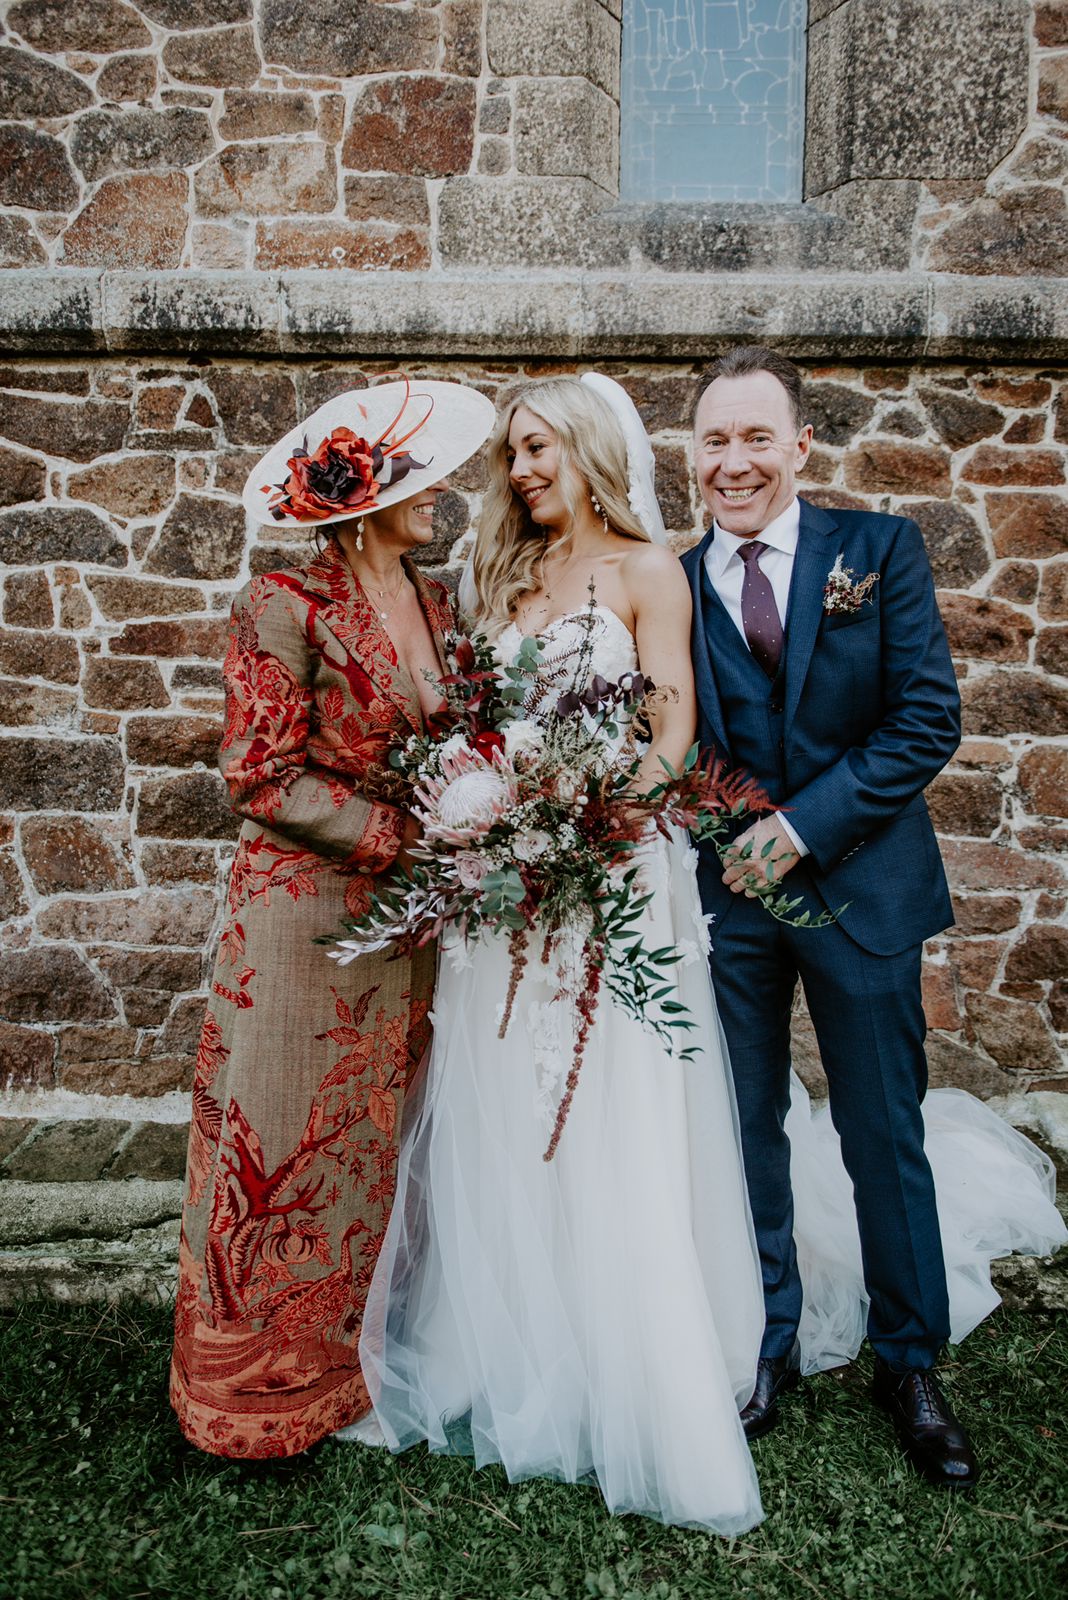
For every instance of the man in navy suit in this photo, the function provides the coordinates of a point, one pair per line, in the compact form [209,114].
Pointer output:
[843,703]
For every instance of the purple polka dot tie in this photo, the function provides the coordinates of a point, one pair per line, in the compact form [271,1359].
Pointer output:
[760,615]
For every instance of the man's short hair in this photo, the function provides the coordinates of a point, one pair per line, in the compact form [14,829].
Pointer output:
[741,360]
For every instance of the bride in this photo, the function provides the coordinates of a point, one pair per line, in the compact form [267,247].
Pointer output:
[598,1316]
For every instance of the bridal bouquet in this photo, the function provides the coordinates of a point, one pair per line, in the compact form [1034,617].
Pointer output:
[524,786]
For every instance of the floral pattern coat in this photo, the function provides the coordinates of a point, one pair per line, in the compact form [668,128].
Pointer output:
[302,1064]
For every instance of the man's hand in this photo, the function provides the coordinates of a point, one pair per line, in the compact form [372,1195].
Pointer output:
[741,877]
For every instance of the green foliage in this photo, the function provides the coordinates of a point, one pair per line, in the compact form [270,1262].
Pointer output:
[504,892]
[520,682]
[637,978]
[100,1498]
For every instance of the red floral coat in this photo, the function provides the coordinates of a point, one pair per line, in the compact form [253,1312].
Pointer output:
[302,1064]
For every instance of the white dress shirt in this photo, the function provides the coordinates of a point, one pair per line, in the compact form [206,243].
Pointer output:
[726,571]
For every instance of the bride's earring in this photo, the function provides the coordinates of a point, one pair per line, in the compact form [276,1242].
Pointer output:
[599,509]
[359,533]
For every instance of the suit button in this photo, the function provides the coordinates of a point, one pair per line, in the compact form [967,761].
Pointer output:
[776,706]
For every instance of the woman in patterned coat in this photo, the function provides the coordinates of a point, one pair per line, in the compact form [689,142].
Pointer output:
[302,1064]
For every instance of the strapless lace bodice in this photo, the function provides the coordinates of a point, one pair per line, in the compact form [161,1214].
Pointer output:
[614,650]
[612,653]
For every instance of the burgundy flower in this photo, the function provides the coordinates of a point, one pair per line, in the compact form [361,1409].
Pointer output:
[338,476]
[487,743]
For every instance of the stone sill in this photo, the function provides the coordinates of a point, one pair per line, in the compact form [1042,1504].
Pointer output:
[573,315]
[89,1243]
[726,237]
[91,1248]
[32,1214]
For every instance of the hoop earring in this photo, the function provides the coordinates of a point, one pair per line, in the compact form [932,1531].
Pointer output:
[359,533]
[600,510]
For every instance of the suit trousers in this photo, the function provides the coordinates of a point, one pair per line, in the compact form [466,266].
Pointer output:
[870,1027]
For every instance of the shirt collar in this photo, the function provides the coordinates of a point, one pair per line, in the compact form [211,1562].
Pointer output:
[781,534]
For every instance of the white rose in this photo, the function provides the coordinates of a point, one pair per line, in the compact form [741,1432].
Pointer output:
[471,869]
[523,738]
[531,844]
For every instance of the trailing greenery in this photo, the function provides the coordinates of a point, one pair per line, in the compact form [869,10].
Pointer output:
[100,1496]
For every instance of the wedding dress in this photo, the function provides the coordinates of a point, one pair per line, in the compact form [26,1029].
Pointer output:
[599,1316]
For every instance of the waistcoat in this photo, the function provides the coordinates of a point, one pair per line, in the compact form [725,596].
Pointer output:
[752,702]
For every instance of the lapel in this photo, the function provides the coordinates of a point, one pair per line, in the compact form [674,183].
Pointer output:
[355,623]
[805,607]
[704,677]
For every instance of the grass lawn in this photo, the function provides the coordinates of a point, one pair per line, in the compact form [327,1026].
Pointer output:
[100,1496]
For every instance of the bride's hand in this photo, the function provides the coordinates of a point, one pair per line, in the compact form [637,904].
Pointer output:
[411,834]
[634,811]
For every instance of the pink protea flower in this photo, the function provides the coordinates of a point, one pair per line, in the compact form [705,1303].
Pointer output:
[470,795]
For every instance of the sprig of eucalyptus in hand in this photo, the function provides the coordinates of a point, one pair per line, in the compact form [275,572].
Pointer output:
[711,802]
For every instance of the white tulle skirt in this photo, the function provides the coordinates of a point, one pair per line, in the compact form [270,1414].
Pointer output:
[599,1317]
[995,1194]
[593,1317]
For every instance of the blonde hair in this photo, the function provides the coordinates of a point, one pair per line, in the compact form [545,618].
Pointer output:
[510,546]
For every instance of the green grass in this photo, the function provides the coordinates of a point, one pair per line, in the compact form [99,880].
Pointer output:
[100,1496]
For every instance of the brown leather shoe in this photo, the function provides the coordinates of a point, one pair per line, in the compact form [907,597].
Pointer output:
[775,1376]
[928,1432]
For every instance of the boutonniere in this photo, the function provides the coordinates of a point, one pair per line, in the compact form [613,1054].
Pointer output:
[844,591]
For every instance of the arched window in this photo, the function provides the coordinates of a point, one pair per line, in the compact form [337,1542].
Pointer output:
[713,99]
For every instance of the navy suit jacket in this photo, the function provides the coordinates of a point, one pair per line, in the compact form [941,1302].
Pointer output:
[872,714]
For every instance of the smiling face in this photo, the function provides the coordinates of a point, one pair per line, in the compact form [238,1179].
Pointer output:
[747,451]
[407,523]
[535,470]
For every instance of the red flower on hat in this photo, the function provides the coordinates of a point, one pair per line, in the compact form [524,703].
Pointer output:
[344,472]
[338,476]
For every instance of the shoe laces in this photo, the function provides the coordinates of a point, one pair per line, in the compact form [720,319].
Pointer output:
[931,1406]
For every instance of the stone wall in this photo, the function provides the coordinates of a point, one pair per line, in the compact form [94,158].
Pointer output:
[128,540]
[443,134]
[212,216]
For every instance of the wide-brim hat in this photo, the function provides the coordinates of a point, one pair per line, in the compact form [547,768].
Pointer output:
[367,449]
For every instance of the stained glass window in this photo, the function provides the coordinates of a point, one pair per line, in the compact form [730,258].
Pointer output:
[713,98]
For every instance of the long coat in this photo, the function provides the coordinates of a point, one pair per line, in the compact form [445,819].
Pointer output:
[302,1064]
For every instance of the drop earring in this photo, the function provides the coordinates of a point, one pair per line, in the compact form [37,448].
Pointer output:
[600,510]
[359,533]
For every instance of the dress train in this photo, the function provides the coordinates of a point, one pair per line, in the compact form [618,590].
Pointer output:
[995,1192]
